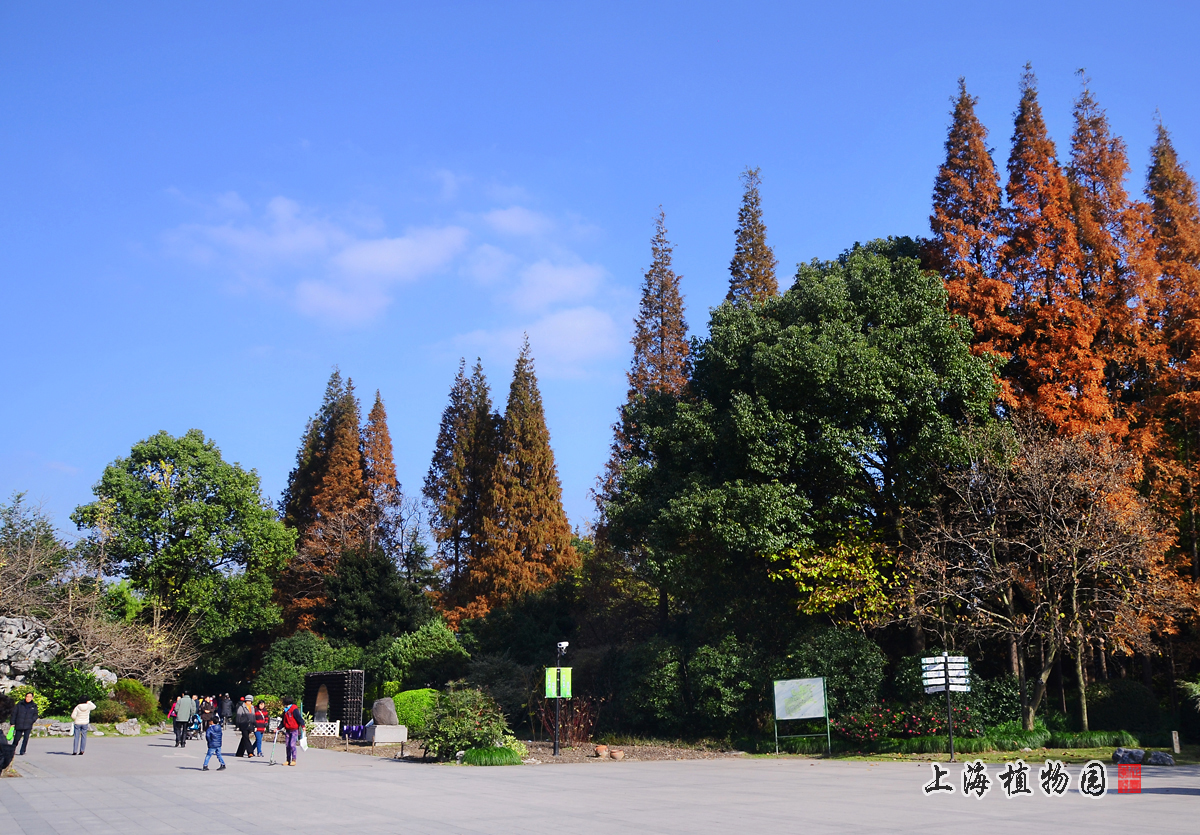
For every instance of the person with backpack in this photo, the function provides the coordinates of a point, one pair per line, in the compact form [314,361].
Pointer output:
[244,721]
[262,723]
[212,736]
[23,717]
[292,724]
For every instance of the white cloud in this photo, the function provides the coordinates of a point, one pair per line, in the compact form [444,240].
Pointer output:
[544,284]
[349,277]
[517,220]
[418,252]
[489,264]
[564,343]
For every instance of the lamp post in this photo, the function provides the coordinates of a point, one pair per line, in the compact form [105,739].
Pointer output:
[562,647]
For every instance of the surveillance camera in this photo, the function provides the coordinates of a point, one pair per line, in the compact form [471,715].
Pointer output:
[563,645]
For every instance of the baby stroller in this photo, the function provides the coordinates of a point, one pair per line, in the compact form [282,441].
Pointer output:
[193,729]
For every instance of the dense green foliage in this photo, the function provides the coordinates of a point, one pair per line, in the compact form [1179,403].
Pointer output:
[413,709]
[1122,705]
[65,686]
[463,719]
[833,404]
[368,598]
[430,656]
[192,532]
[272,703]
[288,659]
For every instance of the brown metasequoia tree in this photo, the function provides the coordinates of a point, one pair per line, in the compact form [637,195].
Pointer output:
[752,270]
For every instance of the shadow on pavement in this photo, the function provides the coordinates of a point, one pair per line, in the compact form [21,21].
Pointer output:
[1171,790]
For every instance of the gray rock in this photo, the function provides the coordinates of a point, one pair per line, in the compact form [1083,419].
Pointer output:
[62,728]
[105,677]
[1125,756]
[23,642]
[1160,758]
[384,712]
[129,727]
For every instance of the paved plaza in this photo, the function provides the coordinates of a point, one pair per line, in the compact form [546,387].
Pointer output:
[145,785]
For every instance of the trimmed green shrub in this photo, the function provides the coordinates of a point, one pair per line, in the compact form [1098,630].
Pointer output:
[18,695]
[1009,736]
[491,756]
[139,700]
[431,656]
[288,659]
[110,710]
[390,689]
[1120,703]
[461,720]
[413,708]
[66,686]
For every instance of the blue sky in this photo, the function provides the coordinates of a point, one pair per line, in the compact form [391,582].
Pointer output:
[206,206]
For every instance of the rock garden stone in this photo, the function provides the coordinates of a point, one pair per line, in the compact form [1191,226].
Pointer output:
[23,642]
[130,727]
[1160,758]
[383,711]
[1126,756]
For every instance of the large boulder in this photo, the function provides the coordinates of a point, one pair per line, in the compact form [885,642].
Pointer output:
[1160,758]
[1126,756]
[23,642]
[384,712]
[129,727]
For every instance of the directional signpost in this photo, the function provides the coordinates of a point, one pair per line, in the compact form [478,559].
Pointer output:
[945,673]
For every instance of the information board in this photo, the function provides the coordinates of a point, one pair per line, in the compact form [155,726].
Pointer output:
[800,698]
[553,691]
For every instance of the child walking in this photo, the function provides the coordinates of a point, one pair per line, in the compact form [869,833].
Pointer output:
[213,736]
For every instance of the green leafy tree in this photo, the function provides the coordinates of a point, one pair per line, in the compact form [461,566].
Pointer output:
[192,532]
[430,656]
[831,405]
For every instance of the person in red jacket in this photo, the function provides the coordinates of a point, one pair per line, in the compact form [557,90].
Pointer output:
[262,721]
[292,723]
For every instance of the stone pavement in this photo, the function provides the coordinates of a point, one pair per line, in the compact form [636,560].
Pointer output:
[145,785]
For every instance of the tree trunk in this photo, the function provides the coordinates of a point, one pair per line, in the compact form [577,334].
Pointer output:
[917,633]
[1062,683]
[1082,682]
[1147,671]
[1029,711]
[1022,688]
[1102,656]
[1014,663]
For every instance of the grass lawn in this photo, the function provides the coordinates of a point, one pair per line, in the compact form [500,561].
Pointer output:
[1189,755]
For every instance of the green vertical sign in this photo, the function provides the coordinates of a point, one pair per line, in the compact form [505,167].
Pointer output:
[553,691]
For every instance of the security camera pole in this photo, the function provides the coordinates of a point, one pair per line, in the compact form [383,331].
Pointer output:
[562,647]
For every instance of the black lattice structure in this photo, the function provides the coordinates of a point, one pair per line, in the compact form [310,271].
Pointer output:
[343,700]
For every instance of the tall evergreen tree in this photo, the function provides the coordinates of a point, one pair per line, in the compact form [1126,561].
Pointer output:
[325,501]
[1056,372]
[1116,269]
[661,356]
[527,532]
[966,227]
[458,484]
[752,270]
[379,471]
[1175,218]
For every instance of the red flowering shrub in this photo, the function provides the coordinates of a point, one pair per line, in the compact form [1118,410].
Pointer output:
[882,721]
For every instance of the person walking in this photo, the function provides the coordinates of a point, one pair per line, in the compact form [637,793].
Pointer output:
[292,724]
[185,709]
[207,712]
[262,722]
[212,736]
[243,720]
[81,716]
[23,717]
[226,710]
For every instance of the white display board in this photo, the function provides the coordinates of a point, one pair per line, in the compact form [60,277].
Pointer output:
[800,698]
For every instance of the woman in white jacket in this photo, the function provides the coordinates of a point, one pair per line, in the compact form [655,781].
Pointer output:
[81,715]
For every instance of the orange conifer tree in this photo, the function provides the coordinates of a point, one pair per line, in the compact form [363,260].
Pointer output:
[966,230]
[1116,271]
[383,491]
[1056,372]
[1175,218]
[528,535]
[752,270]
